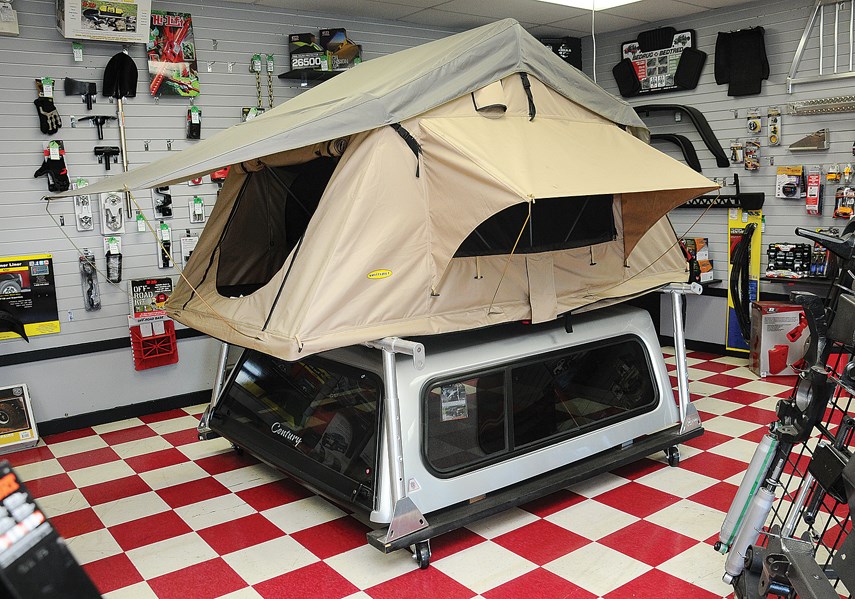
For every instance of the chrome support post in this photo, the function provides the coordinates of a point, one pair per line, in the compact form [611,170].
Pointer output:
[204,426]
[689,418]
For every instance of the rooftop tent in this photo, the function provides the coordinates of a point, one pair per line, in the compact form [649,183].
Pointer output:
[467,182]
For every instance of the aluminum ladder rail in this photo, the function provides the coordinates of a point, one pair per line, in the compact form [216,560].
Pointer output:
[818,15]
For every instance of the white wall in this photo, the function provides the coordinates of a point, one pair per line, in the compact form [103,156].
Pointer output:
[784,21]
[96,381]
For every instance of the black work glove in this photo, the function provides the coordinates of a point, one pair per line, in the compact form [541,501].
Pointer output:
[56,173]
[49,120]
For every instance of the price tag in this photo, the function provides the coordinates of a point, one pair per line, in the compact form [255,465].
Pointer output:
[113,245]
[255,64]
[164,232]
[77,51]
[53,151]
[47,87]
[140,222]
[194,115]
[270,63]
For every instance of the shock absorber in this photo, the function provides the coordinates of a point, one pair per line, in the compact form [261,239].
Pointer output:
[754,477]
[752,526]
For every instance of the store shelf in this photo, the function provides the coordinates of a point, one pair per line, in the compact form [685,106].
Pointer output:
[309,75]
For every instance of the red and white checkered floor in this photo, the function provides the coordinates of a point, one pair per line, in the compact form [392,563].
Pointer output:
[152,512]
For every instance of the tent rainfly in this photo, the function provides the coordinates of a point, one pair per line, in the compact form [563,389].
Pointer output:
[470,181]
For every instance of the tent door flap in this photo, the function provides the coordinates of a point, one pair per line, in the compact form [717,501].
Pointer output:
[541,288]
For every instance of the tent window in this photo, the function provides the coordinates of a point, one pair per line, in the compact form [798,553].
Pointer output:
[556,224]
[268,218]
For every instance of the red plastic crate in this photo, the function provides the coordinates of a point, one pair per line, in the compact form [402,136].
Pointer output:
[154,351]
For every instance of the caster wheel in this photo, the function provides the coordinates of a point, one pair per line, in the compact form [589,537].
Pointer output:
[673,455]
[238,449]
[422,554]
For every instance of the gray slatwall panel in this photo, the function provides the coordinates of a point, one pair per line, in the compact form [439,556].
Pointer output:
[240,31]
[784,23]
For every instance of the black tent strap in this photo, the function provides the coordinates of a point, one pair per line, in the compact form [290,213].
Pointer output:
[532,110]
[410,141]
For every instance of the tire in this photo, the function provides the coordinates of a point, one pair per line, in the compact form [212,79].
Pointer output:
[9,286]
[673,455]
[422,554]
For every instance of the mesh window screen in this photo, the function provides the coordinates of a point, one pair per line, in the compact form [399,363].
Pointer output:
[556,224]
[269,216]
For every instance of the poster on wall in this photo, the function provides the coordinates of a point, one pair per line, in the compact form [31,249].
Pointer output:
[656,69]
[148,297]
[28,292]
[172,55]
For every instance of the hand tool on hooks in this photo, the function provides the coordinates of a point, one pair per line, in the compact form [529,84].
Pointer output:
[107,154]
[120,81]
[99,121]
[88,90]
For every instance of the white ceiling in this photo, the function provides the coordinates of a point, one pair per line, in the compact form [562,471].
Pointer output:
[539,18]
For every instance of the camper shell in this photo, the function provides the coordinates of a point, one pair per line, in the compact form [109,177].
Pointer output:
[494,418]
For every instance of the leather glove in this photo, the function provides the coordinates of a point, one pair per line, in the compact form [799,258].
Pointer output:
[56,173]
[49,119]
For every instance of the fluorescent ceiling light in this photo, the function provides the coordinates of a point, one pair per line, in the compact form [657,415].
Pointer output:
[591,4]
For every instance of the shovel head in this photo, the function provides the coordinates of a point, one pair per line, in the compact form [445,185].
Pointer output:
[120,77]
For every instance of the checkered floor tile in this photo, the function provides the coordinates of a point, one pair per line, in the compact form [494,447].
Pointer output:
[151,512]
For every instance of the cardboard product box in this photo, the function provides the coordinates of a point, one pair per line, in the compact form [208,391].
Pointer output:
[305,52]
[125,21]
[779,336]
[700,265]
[342,52]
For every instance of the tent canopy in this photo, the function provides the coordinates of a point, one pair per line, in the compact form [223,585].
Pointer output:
[471,181]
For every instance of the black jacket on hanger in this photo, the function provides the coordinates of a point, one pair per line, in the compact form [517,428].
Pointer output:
[740,61]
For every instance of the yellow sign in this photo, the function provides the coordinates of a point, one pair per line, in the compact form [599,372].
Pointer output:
[381,273]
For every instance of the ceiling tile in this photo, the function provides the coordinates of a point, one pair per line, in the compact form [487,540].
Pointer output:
[542,31]
[711,4]
[450,20]
[654,11]
[530,11]
[604,23]
[369,9]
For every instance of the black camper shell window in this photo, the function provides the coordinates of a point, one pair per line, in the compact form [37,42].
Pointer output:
[269,216]
[486,417]
[555,224]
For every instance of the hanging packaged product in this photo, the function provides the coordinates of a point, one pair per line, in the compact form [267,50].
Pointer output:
[162,200]
[788,260]
[197,210]
[743,274]
[112,213]
[736,152]
[83,208]
[752,154]
[813,199]
[113,254]
[821,258]
[775,122]
[833,174]
[153,341]
[847,174]
[53,166]
[753,124]
[49,120]
[789,183]
[194,123]
[89,281]
[187,245]
[268,64]
[172,65]
[250,112]
[164,246]
[844,202]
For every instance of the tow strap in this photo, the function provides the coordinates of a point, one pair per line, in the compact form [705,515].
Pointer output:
[410,141]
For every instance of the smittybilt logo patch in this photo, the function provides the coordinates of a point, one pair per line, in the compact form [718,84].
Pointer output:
[381,273]
[277,429]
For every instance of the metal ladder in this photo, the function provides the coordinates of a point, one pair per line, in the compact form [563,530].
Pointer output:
[837,71]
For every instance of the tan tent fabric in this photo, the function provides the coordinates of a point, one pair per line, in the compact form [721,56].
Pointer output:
[377,216]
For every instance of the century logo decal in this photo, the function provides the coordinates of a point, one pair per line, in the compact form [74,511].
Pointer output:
[278,429]
[380,273]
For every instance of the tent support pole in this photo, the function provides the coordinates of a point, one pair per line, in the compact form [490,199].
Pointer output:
[689,418]
[204,427]
[406,517]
